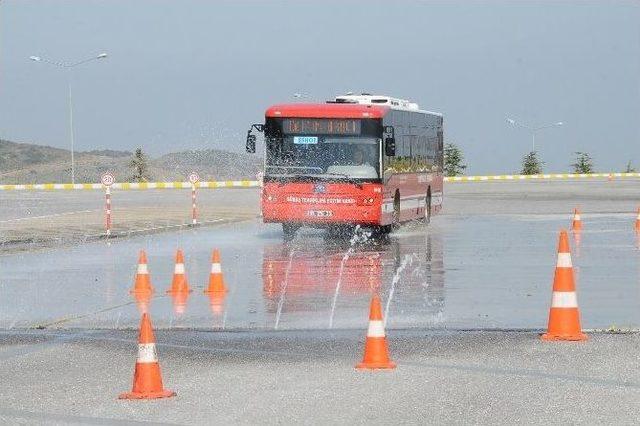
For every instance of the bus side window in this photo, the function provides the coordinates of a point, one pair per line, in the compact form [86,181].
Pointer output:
[406,147]
[415,151]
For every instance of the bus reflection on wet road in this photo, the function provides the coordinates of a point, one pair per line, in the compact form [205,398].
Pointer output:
[323,282]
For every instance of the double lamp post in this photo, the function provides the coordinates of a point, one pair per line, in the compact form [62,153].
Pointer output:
[533,130]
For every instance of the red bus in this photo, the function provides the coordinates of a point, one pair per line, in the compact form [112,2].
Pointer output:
[367,160]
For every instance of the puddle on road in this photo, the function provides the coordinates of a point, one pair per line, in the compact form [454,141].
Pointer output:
[459,272]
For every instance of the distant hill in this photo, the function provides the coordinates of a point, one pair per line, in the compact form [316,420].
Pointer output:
[15,156]
[30,163]
[109,153]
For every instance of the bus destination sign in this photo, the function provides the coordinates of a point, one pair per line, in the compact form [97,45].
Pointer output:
[320,126]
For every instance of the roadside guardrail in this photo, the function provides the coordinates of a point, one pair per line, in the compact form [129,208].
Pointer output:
[545,176]
[256,183]
[132,185]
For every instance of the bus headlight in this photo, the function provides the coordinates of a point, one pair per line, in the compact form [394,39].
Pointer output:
[367,201]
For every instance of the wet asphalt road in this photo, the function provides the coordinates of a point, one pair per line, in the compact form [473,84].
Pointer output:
[486,264]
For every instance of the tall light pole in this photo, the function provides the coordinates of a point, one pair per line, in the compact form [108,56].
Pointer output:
[533,130]
[68,66]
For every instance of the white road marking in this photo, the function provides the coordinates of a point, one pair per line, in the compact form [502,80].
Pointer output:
[47,216]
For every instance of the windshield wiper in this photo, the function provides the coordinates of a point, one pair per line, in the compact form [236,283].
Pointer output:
[338,174]
[347,178]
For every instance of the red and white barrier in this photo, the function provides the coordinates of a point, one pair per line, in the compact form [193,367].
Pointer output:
[107,180]
[194,179]
[108,211]
[194,210]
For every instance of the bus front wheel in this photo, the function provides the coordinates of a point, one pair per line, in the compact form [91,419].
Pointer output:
[289,230]
[395,222]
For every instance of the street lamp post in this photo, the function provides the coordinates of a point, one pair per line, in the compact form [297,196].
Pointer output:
[533,130]
[67,66]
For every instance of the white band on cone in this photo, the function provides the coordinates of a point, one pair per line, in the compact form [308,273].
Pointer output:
[147,353]
[564,260]
[376,329]
[564,299]
[179,269]
[216,268]
[576,217]
[142,269]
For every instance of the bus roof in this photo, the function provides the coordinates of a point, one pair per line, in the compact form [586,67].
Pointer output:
[327,111]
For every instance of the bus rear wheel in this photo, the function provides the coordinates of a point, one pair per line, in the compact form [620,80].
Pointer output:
[427,208]
[381,231]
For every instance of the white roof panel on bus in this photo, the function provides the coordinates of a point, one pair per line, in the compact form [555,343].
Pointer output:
[393,103]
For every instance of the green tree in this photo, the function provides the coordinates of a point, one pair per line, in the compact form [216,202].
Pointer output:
[630,168]
[453,160]
[583,163]
[139,165]
[531,164]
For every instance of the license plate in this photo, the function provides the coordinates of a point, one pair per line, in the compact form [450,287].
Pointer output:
[320,213]
[305,140]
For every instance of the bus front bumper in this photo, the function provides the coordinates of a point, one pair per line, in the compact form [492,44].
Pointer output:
[314,214]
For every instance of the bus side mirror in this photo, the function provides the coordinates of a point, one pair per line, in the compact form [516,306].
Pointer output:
[251,142]
[390,147]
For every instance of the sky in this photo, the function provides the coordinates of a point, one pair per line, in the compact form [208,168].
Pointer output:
[195,74]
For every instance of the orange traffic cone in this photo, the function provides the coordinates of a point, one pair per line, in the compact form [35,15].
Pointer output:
[376,352]
[216,280]
[638,221]
[142,282]
[576,225]
[179,283]
[147,380]
[564,316]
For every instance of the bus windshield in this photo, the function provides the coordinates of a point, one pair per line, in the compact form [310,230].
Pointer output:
[328,157]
